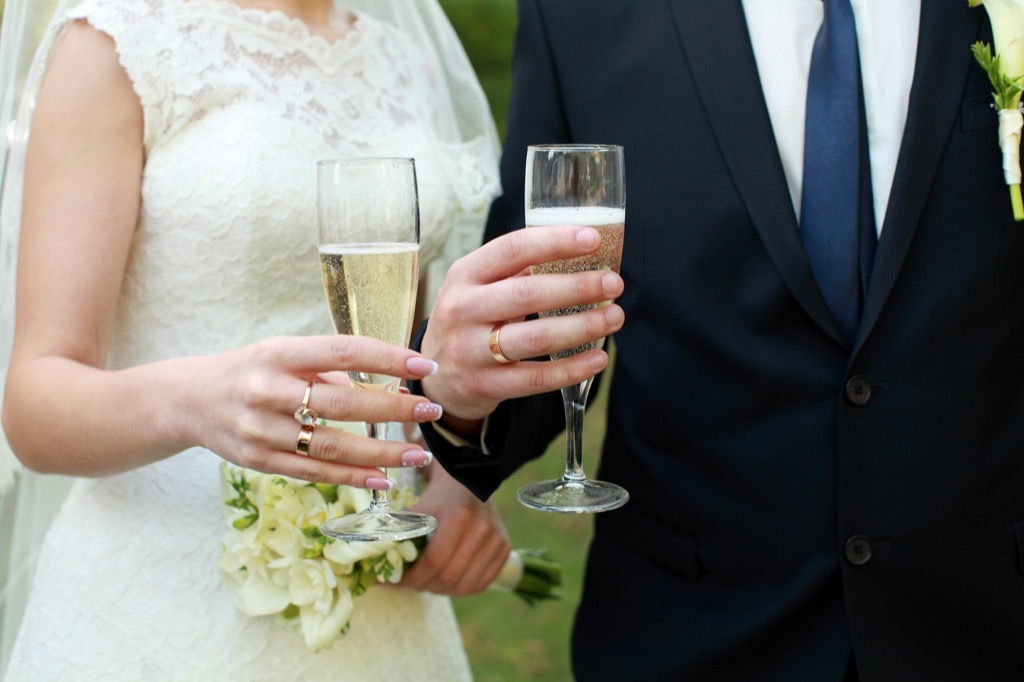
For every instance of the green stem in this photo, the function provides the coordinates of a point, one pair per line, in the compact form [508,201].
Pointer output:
[1016,203]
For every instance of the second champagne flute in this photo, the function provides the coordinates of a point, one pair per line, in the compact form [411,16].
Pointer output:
[368,231]
[581,184]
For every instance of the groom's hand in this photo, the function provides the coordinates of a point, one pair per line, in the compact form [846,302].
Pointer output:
[492,286]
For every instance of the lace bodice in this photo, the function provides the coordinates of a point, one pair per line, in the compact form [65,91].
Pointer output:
[242,103]
[238,106]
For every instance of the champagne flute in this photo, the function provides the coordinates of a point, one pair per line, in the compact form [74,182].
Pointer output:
[368,230]
[576,185]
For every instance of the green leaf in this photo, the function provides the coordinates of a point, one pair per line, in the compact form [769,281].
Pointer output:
[1006,90]
[244,522]
[328,490]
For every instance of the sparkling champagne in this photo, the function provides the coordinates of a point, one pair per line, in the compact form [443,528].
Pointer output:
[610,223]
[371,291]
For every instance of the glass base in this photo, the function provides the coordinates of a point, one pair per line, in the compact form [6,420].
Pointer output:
[567,496]
[379,525]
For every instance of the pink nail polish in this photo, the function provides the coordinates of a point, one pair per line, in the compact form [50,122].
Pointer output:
[427,412]
[376,483]
[421,366]
[417,458]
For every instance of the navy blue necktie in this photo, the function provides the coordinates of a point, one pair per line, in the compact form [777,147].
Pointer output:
[836,214]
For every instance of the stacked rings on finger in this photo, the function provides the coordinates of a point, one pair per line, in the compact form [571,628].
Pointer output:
[306,416]
[494,345]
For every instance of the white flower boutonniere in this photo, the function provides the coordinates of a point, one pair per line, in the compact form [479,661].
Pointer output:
[277,563]
[1005,70]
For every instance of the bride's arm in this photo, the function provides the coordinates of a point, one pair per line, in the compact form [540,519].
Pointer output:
[63,412]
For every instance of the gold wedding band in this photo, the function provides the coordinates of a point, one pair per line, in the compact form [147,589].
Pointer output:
[306,415]
[305,435]
[494,345]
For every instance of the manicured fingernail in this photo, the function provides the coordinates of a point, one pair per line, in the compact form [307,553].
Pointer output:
[416,458]
[421,366]
[611,284]
[403,390]
[427,412]
[587,237]
[375,483]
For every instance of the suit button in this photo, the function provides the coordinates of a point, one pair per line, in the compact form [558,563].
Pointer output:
[858,390]
[858,550]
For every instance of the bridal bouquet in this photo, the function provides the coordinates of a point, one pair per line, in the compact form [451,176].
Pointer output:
[277,563]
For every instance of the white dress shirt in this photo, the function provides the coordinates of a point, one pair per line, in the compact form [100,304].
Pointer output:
[782,33]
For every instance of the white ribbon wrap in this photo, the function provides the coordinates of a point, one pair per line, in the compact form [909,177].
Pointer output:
[510,575]
[1010,123]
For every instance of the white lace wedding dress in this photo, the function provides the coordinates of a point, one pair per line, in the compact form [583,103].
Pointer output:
[239,105]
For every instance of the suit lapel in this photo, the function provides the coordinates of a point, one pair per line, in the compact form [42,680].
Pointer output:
[944,58]
[721,59]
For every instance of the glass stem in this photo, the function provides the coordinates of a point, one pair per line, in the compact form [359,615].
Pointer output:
[574,399]
[379,501]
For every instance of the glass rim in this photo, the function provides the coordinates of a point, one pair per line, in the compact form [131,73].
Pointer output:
[364,160]
[576,147]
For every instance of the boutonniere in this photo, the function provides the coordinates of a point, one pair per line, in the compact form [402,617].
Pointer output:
[1005,70]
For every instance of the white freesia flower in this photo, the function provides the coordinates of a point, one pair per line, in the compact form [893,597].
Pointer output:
[349,553]
[276,561]
[320,630]
[256,593]
[311,582]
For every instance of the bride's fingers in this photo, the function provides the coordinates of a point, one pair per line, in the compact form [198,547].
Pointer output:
[353,403]
[287,395]
[320,471]
[337,445]
[310,356]
[333,455]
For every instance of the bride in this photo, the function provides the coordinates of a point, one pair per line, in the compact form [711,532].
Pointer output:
[170,316]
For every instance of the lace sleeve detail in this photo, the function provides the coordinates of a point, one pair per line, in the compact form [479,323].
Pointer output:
[143,37]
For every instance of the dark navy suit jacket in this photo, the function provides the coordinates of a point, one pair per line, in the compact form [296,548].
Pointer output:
[795,502]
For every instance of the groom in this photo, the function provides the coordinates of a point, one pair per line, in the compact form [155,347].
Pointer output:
[827,479]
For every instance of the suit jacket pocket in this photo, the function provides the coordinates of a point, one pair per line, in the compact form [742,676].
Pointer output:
[978,113]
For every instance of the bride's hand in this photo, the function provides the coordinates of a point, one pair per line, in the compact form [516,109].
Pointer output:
[470,545]
[488,287]
[248,413]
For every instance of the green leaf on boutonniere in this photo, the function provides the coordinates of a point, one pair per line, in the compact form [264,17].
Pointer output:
[1005,71]
[1006,91]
